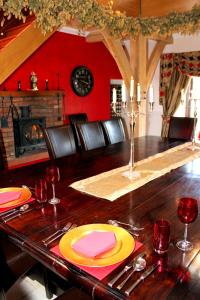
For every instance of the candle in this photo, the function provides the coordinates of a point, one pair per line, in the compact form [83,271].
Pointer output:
[132,87]
[114,95]
[123,92]
[151,94]
[138,93]
[182,95]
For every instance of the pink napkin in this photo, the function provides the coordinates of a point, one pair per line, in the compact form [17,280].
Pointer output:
[9,196]
[95,243]
[98,272]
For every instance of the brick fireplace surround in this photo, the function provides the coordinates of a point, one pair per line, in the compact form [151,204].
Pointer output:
[46,104]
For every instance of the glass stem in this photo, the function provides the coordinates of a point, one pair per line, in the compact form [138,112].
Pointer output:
[53,187]
[185,232]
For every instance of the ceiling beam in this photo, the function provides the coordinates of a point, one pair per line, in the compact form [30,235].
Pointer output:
[116,49]
[19,49]
[154,59]
[94,37]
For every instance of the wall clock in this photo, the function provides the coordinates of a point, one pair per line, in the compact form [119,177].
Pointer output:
[82,81]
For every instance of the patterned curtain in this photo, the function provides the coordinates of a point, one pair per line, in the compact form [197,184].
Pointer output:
[175,72]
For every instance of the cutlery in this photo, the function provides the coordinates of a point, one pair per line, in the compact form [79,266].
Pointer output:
[18,212]
[125,269]
[142,277]
[130,231]
[139,266]
[58,233]
[113,222]
[28,187]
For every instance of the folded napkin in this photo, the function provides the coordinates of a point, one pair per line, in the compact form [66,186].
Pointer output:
[95,243]
[9,196]
[97,272]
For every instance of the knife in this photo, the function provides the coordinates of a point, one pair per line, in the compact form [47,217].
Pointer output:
[8,212]
[125,269]
[142,277]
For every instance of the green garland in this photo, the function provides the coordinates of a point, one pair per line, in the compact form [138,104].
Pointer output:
[52,14]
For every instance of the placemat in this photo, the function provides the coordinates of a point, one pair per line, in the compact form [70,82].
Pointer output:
[97,272]
[112,184]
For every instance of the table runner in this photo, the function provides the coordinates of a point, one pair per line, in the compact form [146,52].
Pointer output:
[112,184]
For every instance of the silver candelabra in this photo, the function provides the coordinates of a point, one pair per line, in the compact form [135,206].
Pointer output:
[128,109]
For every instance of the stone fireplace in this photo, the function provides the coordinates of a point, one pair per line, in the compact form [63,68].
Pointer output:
[29,111]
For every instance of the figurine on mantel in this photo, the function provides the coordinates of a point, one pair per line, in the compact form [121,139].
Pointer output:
[33,81]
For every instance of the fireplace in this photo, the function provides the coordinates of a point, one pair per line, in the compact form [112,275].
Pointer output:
[42,107]
[28,134]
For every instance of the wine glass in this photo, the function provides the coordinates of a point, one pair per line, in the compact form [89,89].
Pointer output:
[53,176]
[187,213]
[41,190]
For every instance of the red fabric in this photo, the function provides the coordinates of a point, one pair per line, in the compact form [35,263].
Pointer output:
[98,272]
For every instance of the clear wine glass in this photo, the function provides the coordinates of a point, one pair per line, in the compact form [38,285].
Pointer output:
[187,213]
[53,176]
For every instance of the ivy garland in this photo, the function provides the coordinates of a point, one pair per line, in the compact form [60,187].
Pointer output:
[52,14]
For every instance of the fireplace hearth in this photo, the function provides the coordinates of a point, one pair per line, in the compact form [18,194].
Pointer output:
[28,134]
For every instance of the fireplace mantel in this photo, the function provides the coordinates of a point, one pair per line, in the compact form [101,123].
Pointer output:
[30,93]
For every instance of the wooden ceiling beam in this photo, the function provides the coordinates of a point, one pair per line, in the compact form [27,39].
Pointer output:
[116,49]
[19,49]
[153,60]
[94,37]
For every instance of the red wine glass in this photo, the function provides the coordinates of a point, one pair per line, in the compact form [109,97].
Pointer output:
[41,190]
[53,176]
[187,213]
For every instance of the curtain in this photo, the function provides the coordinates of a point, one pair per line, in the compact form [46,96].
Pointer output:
[175,72]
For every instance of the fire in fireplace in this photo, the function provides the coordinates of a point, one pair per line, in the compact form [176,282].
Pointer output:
[28,134]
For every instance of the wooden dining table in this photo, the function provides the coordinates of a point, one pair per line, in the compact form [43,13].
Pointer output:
[178,273]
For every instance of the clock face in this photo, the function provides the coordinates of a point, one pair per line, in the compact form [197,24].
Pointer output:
[82,81]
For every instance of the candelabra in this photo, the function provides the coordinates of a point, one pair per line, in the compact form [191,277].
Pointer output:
[131,110]
[194,145]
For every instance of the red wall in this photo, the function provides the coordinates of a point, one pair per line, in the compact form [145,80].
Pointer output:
[60,54]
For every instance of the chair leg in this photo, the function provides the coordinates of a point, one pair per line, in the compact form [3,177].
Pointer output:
[47,284]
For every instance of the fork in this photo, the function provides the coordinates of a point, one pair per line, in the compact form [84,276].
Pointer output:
[58,233]
[113,222]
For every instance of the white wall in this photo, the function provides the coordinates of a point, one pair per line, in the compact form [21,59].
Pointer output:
[181,44]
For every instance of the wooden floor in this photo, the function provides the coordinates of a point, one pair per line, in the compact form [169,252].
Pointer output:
[28,159]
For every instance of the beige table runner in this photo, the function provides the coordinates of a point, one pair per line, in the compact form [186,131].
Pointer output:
[112,184]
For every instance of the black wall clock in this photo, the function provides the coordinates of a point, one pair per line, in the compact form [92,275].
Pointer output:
[82,81]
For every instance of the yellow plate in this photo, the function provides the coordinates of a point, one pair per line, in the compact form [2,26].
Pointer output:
[124,245]
[25,195]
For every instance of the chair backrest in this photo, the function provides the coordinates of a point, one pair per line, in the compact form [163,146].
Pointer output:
[73,120]
[181,128]
[91,135]
[2,150]
[60,141]
[114,130]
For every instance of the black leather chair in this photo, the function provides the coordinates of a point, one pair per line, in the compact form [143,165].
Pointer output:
[91,135]
[60,141]
[74,119]
[114,130]
[181,128]
[14,263]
